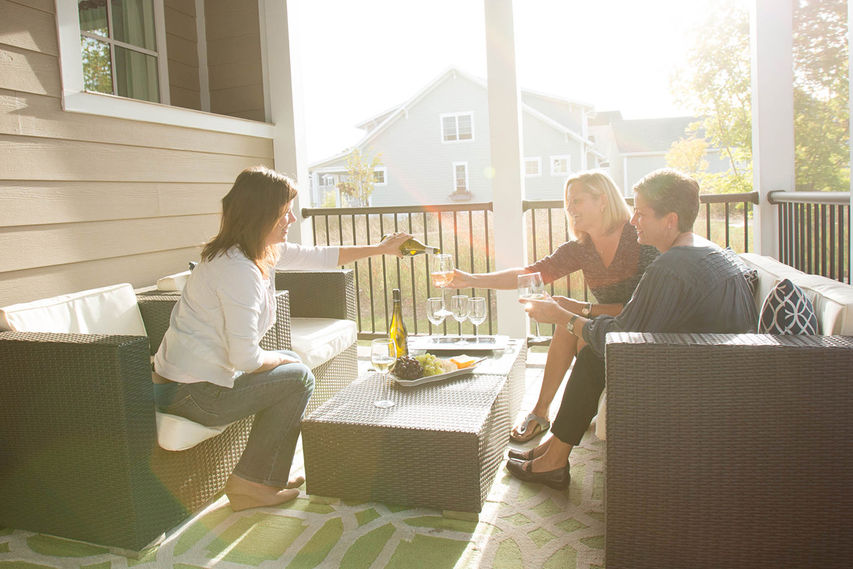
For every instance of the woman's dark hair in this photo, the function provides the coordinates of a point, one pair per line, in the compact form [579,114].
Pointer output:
[666,191]
[250,210]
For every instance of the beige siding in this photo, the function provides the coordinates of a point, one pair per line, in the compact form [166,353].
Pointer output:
[234,58]
[87,201]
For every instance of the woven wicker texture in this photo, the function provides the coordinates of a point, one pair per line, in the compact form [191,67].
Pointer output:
[729,451]
[319,294]
[438,446]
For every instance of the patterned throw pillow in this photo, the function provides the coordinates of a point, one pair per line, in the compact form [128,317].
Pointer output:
[750,274]
[786,310]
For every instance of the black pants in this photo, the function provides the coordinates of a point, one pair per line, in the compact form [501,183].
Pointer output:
[580,398]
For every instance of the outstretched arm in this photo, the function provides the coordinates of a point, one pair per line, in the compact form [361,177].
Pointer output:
[506,279]
[388,246]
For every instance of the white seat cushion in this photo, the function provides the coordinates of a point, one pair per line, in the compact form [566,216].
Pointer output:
[178,433]
[176,281]
[107,310]
[317,340]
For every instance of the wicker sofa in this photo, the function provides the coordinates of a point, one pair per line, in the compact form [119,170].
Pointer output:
[79,456]
[733,450]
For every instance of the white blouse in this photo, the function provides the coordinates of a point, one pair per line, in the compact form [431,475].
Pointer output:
[225,309]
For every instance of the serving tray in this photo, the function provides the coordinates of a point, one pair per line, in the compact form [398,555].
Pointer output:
[431,378]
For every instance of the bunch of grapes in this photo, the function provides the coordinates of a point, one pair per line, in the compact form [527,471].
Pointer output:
[433,365]
[407,367]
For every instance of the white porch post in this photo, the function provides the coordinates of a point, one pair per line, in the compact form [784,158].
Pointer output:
[284,94]
[505,142]
[850,102]
[772,114]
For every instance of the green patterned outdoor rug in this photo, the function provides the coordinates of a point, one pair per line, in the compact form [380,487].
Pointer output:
[521,526]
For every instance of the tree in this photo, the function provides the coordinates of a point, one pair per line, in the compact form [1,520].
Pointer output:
[716,82]
[361,176]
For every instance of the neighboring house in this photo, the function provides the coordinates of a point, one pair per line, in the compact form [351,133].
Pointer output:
[104,188]
[636,147]
[435,147]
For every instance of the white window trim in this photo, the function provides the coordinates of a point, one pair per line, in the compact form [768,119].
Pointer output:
[565,157]
[538,161]
[467,185]
[455,116]
[384,171]
[76,99]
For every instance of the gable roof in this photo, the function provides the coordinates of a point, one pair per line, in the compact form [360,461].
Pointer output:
[382,121]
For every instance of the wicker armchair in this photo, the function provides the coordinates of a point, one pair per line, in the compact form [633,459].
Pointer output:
[78,445]
[729,451]
[324,294]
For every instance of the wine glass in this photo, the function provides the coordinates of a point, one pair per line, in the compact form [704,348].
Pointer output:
[477,314]
[442,274]
[435,310]
[382,352]
[459,309]
[531,287]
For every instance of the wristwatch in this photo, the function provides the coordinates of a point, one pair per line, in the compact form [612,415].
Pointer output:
[570,325]
[586,310]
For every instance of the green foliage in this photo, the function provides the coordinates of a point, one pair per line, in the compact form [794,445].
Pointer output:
[360,176]
[716,82]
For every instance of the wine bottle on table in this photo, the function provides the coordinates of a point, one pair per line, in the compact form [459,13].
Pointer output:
[397,330]
[412,247]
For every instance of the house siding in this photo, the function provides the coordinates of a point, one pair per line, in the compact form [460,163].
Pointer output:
[88,201]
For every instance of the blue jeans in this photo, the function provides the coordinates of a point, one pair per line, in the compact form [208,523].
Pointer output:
[277,398]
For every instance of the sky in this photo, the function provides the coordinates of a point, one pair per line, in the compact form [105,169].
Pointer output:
[359,59]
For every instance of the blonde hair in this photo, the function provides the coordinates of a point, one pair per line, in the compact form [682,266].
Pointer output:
[250,210]
[599,184]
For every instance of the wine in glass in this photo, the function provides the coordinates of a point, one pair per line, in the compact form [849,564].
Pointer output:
[382,356]
[459,310]
[435,310]
[531,287]
[442,273]
[477,314]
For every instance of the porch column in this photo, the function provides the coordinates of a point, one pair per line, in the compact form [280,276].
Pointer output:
[771,44]
[283,93]
[850,102]
[505,147]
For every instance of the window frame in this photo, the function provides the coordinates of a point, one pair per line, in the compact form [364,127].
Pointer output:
[75,97]
[455,117]
[467,188]
[567,158]
[533,159]
[384,171]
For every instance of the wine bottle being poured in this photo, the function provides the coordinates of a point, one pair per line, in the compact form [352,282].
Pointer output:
[411,247]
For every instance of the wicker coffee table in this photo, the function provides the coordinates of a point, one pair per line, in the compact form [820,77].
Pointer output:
[439,446]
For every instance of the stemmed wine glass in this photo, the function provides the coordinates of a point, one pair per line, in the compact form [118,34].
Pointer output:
[382,352]
[477,314]
[435,310]
[442,274]
[531,287]
[459,309]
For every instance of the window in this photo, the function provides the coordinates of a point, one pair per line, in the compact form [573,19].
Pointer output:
[532,167]
[327,180]
[460,176]
[120,44]
[379,176]
[457,127]
[560,165]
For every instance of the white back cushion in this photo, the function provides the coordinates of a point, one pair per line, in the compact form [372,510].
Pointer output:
[832,300]
[317,340]
[175,281]
[107,310]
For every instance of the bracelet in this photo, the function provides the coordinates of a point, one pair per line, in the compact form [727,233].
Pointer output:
[570,325]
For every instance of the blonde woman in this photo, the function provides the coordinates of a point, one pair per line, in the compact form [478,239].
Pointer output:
[210,368]
[604,247]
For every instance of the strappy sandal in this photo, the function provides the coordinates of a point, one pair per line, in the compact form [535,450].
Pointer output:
[526,431]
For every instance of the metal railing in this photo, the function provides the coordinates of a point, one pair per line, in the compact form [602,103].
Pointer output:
[466,231]
[814,232]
